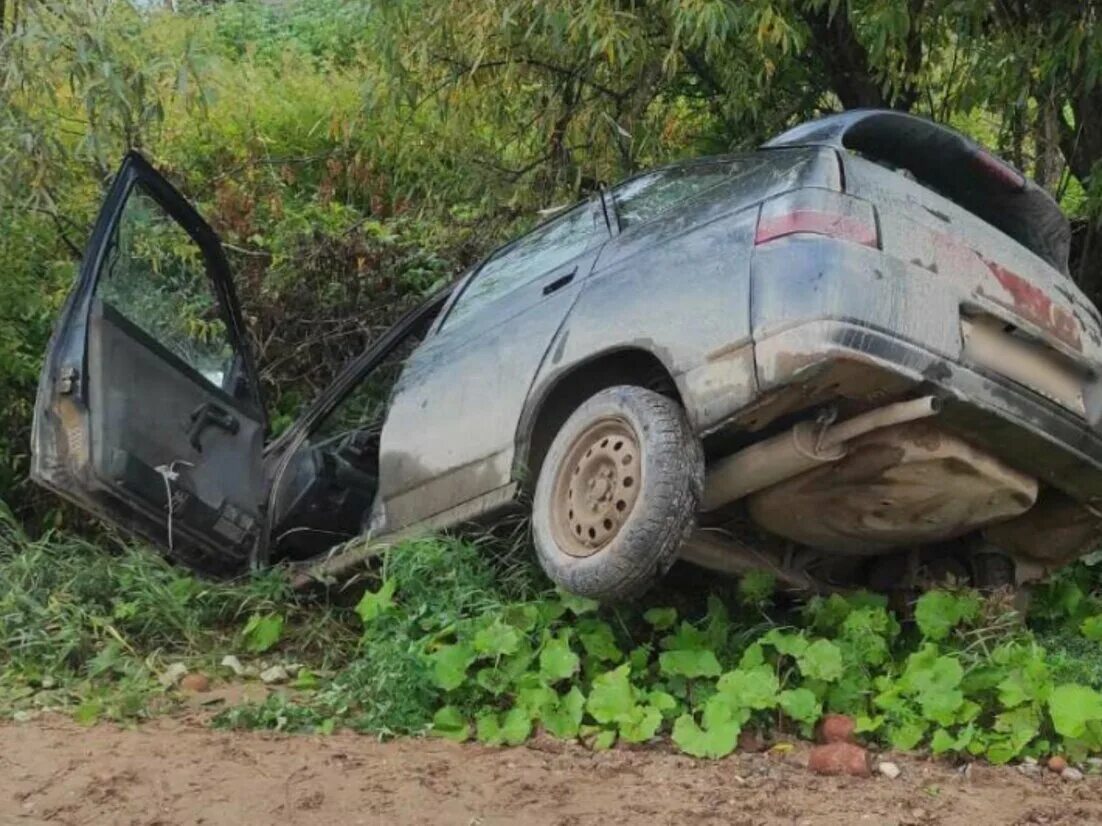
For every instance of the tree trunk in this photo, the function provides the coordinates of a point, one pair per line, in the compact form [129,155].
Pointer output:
[1047,164]
[844,57]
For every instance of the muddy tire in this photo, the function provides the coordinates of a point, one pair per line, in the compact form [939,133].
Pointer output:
[617,494]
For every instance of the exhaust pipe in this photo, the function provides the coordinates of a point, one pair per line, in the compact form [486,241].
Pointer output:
[800,449]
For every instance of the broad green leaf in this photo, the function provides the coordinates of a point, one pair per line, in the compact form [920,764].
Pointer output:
[488,729]
[578,605]
[801,705]
[906,734]
[374,604]
[687,638]
[523,617]
[755,688]
[604,740]
[563,718]
[640,724]
[943,741]
[939,612]
[510,729]
[867,632]
[612,696]
[557,661]
[494,680]
[935,682]
[662,701]
[752,657]
[690,664]
[599,641]
[661,618]
[788,643]
[639,658]
[822,660]
[449,722]
[1030,683]
[1072,707]
[516,726]
[534,695]
[450,664]
[1091,628]
[496,639]
[866,724]
[715,742]
[1000,750]
[262,631]
[723,708]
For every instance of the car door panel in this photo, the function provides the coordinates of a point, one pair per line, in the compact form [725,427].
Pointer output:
[147,412]
[129,441]
[450,433]
[458,403]
[706,346]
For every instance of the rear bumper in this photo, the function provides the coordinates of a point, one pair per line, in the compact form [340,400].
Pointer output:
[832,319]
[1011,422]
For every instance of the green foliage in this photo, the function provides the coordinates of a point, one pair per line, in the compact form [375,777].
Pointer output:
[453,641]
[262,632]
[553,663]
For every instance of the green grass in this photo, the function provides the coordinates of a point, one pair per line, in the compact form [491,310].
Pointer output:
[465,639]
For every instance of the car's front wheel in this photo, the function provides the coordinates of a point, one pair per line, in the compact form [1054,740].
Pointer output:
[617,493]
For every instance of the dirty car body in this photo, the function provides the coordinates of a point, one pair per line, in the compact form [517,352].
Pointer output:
[855,269]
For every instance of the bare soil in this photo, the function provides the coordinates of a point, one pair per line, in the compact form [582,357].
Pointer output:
[178,771]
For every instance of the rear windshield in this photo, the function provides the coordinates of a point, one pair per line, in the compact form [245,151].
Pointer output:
[648,196]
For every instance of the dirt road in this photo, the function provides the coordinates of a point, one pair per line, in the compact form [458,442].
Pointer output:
[174,772]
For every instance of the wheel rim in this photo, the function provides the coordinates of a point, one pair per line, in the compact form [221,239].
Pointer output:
[596,487]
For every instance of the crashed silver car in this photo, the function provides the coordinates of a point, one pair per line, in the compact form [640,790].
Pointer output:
[851,358]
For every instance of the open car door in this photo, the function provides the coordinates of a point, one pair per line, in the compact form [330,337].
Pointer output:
[148,411]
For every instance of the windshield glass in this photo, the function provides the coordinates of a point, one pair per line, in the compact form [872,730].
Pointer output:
[648,196]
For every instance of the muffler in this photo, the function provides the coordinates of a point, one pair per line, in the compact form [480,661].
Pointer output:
[805,446]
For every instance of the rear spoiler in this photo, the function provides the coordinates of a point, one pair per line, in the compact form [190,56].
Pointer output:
[953,165]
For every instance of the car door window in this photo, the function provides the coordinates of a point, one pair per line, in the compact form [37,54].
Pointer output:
[541,251]
[365,405]
[647,196]
[156,277]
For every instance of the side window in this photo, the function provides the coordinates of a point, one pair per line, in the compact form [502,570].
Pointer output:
[650,195]
[542,250]
[156,277]
[364,408]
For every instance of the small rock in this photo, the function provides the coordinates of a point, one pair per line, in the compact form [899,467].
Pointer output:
[836,728]
[233,664]
[275,674]
[1071,774]
[22,716]
[1057,764]
[750,740]
[839,758]
[889,770]
[195,682]
[1095,763]
[172,675]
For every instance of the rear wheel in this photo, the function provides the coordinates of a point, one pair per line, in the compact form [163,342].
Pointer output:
[617,493]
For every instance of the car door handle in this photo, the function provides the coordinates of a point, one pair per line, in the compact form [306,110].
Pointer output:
[207,415]
[559,282]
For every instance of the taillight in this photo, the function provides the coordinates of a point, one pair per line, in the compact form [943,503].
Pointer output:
[999,171]
[818,212]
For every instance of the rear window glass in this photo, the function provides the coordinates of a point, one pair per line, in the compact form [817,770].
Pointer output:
[648,196]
